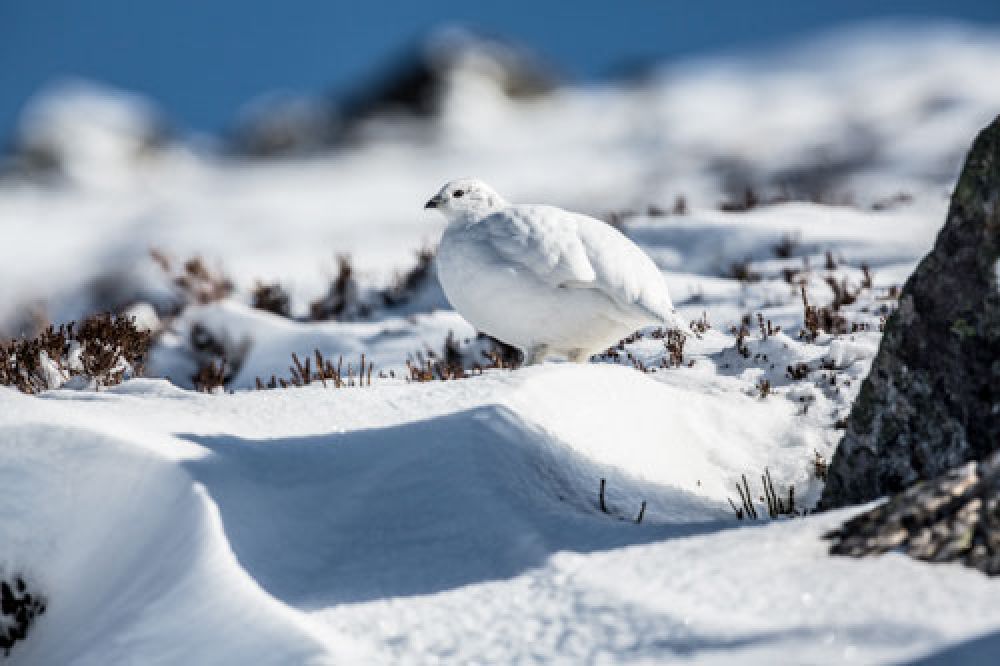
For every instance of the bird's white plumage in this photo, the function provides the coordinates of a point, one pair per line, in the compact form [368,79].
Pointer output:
[542,278]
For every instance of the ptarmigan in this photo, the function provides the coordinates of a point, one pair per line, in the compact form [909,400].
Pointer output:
[544,279]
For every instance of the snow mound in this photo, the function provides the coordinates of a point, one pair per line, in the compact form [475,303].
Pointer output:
[92,134]
[132,554]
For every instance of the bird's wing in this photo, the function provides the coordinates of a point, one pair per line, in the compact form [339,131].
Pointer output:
[624,273]
[575,251]
[542,240]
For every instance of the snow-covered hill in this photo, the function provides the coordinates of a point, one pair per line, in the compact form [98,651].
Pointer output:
[461,521]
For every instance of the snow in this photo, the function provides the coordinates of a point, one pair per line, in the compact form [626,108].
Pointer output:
[459,521]
[395,523]
[701,595]
[141,549]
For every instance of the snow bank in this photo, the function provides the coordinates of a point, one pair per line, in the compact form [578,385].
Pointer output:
[130,553]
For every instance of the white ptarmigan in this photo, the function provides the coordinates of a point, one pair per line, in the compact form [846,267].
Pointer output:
[544,279]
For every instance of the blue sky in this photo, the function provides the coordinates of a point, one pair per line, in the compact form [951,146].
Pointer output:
[202,60]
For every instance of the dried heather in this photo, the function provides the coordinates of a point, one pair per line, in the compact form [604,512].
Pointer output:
[103,351]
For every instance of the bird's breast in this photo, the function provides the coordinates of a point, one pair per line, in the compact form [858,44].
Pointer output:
[469,271]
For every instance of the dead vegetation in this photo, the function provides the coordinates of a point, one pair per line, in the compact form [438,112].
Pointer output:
[197,283]
[616,352]
[345,301]
[408,284]
[19,607]
[619,218]
[602,504]
[842,293]
[673,342]
[820,466]
[798,371]
[102,350]
[428,365]
[767,329]
[741,334]
[219,358]
[318,369]
[867,280]
[892,202]
[785,248]
[211,376]
[818,319]
[453,363]
[777,504]
[743,271]
[749,200]
[830,263]
[342,301]
[701,325]
[272,298]
[746,510]
[829,318]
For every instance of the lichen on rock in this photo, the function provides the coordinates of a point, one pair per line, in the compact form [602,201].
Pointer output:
[955,517]
[932,399]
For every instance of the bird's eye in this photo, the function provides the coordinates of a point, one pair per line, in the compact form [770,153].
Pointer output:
[457,193]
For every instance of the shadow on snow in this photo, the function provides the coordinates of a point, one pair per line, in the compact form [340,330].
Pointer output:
[424,507]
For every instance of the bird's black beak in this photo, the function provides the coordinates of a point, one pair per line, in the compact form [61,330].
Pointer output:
[433,203]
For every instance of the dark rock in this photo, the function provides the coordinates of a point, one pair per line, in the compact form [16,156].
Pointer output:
[419,79]
[932,400]
[955,517]
[413,87]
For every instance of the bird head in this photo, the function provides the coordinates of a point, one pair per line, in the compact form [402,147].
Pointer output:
[464,197]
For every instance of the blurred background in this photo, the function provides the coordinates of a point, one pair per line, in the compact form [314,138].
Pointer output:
[268,139]
[202,63]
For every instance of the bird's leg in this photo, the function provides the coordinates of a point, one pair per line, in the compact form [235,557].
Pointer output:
[579,356]
[537,354]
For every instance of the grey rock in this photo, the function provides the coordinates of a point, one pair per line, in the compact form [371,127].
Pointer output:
[955,517]
[932,399]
